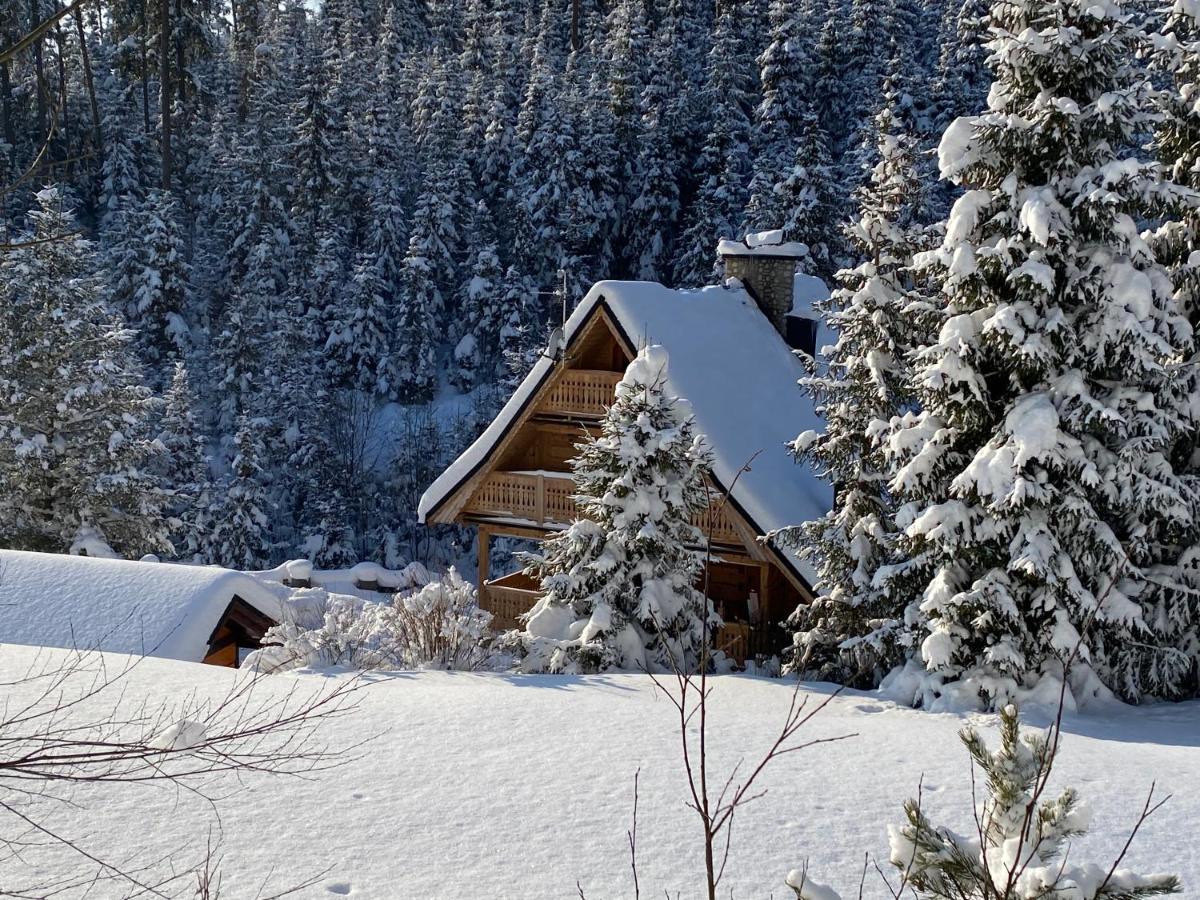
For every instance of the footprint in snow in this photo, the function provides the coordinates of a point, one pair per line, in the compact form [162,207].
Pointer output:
[338,887]
[869,708]
[357,796]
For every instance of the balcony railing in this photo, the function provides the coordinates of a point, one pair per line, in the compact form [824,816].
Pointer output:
[581,393]
[512,596]
[507,598]
[545,498]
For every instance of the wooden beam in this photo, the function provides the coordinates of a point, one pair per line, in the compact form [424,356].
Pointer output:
[484,541]
[501,529]
[764,592]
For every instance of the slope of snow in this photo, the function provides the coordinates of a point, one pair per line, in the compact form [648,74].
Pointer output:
[485,785]
[153,608]
[731,365]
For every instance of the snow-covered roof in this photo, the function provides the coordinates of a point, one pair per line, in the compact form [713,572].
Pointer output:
[737,372]
[763,243]
[151,608]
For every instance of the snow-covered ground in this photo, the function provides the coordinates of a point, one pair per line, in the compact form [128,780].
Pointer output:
[518,786]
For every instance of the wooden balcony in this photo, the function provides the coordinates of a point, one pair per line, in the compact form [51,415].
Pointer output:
[538,498]
[507,598]
[580,394]
[545,498]
[513,595]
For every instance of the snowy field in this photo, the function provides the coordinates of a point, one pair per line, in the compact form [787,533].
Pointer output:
[502,786]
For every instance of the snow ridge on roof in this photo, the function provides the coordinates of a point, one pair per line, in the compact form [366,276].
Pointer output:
[736,371]
[151,608]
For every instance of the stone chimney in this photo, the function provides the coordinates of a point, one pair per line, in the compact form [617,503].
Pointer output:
[766,266]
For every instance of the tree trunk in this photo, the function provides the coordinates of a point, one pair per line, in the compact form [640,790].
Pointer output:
[61,43]
[35,17]
[164,87]
[88,81]
[143,41]
[575,15]
[6,111]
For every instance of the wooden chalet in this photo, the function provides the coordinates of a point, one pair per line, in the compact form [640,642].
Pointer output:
[729,357]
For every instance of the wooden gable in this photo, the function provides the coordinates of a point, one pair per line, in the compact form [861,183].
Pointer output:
[595,348]
[513,489]
[241,628]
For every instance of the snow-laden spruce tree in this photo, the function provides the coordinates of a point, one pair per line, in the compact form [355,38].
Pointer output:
[1177,241]
[723,169]
[240,534]
[808,200]
[482,310]
[848,634]
[77,447]
[784,71]
[1037,486]
[415,348]
[183,466]
[620,585]
[1021,849]
[151,275]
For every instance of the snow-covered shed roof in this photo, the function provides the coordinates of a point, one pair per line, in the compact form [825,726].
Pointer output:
[737,372]
[143,608]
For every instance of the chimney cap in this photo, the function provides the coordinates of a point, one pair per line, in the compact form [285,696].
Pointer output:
[764,243]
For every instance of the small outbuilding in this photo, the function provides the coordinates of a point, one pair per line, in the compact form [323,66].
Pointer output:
[194,613]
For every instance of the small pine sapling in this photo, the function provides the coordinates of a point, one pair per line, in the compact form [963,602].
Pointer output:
[1020,847]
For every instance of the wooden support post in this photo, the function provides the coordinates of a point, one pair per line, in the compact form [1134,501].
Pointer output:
[484,538]
[540,502]
[764,602]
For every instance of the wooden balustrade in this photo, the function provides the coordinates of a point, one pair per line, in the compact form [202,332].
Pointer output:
[547,499]
[508,598]
[512,596]
[582,393]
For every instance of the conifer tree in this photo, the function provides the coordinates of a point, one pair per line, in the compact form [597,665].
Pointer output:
[848,633]
[77,453]
[483,312]
[620,584]
[414,351]
[1177,142]
[652,216]
[807,198]
[183,466]
[541,172]
[366,337]
[522,338]
[779,117]
[240,535]
[1022,847]
[1036,484]
[152,273]
[318,179]
[724,163]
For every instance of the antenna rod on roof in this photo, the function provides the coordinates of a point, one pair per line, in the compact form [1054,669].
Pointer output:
[562,294]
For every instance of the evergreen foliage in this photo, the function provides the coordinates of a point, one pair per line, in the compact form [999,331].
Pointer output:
[1022,847]
[78,451]
[849,632]
[1036,485]
[620,585]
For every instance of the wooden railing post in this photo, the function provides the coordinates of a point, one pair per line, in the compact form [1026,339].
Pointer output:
[483,556]
[540,501]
